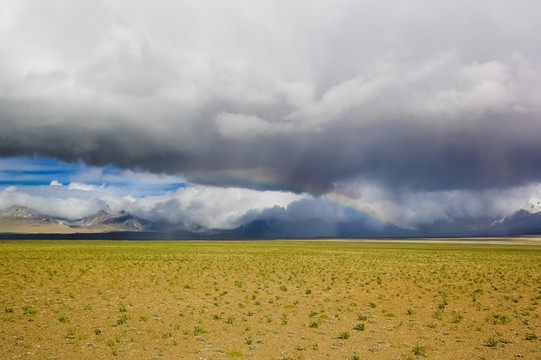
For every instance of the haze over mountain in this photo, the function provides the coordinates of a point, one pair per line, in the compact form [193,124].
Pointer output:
[345,116]
[21,220]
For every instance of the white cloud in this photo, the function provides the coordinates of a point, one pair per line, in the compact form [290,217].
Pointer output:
[210,207]
[53,200]
[407,208]
[85,187]
[200,206]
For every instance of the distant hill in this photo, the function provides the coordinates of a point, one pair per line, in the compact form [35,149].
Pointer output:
[522,222]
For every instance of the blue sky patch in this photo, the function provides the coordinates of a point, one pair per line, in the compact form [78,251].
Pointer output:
[36,171]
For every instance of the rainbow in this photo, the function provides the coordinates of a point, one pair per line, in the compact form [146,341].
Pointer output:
[350,203]
[265,178]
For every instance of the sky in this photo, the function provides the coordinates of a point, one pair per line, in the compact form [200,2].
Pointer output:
[215,113]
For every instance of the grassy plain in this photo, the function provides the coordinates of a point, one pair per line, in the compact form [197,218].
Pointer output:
[270,300]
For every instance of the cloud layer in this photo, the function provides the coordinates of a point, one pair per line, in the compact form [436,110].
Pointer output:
[196,207]
[420,98]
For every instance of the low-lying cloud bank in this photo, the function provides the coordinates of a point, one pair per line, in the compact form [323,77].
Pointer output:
[194,206]
[198,207]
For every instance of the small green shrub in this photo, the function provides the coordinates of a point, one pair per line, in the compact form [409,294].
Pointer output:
[457,317]
[493,342]
[497,319]
[29,310]
[315,324]
[198,330]
[361,317]
[359,327]
[344,335]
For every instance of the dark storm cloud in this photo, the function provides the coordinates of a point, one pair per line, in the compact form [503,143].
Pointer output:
[413,95]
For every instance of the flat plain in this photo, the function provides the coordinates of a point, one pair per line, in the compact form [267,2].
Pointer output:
[280,299]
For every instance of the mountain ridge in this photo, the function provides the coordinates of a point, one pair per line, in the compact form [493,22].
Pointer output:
[21,220]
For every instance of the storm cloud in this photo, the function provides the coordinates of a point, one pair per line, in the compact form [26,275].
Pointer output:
[417,97]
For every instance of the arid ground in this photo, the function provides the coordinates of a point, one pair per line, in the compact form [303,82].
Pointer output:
[319,299]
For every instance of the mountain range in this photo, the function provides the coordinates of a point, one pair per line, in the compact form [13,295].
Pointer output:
[18,221]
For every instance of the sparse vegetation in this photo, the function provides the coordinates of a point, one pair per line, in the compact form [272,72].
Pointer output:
[457,317]
[315,324]
[122,320]
[198,330]
[29,310]
[269,299]
[419,350]
[498,319]
[493,341]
